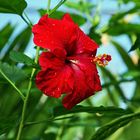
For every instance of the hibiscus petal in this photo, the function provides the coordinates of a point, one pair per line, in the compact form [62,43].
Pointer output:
[49,60]
[67,17]
[55,82]
[84,43]
[86,83]
[54,34]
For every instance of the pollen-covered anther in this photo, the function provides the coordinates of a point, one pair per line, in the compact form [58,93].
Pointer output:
[102,60]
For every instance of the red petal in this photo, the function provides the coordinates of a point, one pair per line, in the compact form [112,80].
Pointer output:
[68,18]
[55,82]
[49,60]
[62,36]
[54,34]
[86,82]
[85,44]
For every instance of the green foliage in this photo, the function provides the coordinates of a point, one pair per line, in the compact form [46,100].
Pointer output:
[22,58]
[80,5]
[19,43]
[123,28]
[14,6]
[124,55]
[58,111]
[12,72]
[7,124]
[5,34]
[136,44]
[111,127]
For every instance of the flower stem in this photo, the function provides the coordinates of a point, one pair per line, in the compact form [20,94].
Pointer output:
[13,85]
[30,25]
[48,7]
[57,6]
[26,98]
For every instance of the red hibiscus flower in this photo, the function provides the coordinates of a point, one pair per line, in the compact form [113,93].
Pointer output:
[67,67]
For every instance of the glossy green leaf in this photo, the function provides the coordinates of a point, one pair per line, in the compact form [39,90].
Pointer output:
[135,1]
[118,16]
[114,125]
[12,72]
[5,34]
[19,43]
[49,136]
[95,36]
[114,82]
[7,123]
[123,28]
[126,132]
[81,6]
[14,6]
[58,111]
[22,58]
[136,44]
[133,73]
[124,55]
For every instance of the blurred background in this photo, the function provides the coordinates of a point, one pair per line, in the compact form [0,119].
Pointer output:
[115,26]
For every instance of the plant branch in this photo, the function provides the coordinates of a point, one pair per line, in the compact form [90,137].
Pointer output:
[28,19]
[57,6]
[30,25]
[117,82]
[48,6]
[26,98]
[13,85]
[44,121]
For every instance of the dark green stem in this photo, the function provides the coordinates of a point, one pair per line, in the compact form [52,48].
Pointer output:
[26,98]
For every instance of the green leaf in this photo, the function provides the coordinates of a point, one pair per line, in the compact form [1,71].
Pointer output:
[80,5]
[135,1]
[126,133]
[5,34]
[59,14]
[131,73]
[58,111]
[114,125]
[123,28]
[114,82]
[22,58]
[49,136]
[19,43]
[126,58]
[116,17]
[95,36]
[7,123]
[12,72]
[136,44]
[14,6]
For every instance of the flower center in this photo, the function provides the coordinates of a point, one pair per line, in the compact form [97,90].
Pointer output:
[71,60]
[67,61]
[102,60]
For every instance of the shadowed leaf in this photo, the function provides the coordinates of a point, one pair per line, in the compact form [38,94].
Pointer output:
[114,125]
[58,111]
[12,72]
[14,6]
[22,58]
[136,44]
